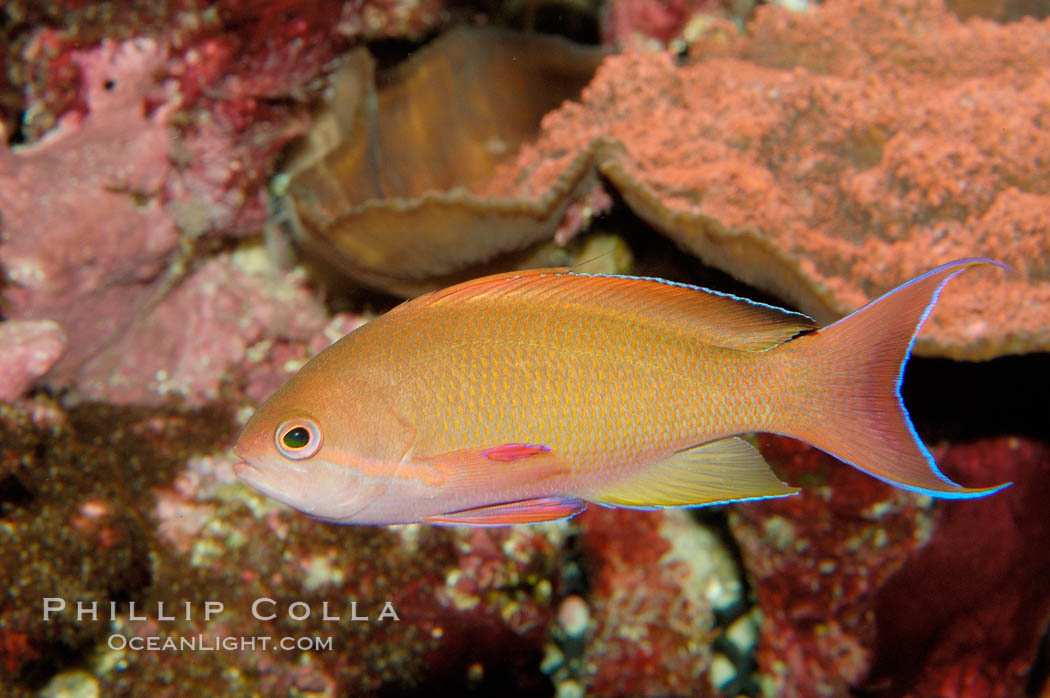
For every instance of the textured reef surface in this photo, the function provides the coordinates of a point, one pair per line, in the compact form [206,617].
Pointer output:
[843,586]
[826,157]
[803,157]
[117,504]
[821,157]
[143,148]
[869,587]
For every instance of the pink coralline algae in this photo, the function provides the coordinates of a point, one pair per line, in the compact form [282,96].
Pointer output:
[28,348]
[92,243]
[99,235]
[84,229]
[160,146]
[650,23]
[225,315]
[866,587]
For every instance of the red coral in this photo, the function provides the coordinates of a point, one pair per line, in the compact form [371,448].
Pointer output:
[866,586]
[645,606]
[816,559]
[964,615]
[15,650]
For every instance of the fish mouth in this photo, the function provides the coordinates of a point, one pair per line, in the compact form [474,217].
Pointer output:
[242,469]
[251,476]
[245,470]
[256,479]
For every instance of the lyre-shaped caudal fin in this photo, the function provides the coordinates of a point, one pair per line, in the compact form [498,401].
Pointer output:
[856,413]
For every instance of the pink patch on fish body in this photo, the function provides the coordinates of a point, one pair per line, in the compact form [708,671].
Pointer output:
[517,398]
[511,452]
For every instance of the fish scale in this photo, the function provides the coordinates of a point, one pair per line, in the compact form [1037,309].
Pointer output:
[557,357]
[521,397]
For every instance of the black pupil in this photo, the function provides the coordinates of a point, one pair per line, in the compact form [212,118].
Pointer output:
[297,437]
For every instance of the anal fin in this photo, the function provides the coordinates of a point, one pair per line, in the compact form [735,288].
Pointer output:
[727,470]
[524,512]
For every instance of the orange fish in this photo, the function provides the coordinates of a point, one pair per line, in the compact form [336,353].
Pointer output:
[521,397]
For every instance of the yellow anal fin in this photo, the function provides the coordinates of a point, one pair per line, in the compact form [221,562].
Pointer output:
[728,470]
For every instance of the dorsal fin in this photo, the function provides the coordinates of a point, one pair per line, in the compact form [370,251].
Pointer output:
[716,318]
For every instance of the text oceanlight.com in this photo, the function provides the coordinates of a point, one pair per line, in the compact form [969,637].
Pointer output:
[204,643]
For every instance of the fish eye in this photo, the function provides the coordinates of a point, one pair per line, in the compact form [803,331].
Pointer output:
[298,438]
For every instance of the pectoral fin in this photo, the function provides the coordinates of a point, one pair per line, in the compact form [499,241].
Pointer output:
[727,470]
[523,512]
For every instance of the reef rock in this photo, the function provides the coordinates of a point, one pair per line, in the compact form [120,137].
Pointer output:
[84,230]
[810,160]
[133,158]
[867,587]
[648,580]
[112,504]
[233,317]
[824,157]
[28,348]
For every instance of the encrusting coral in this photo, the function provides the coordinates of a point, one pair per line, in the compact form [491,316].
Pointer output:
[823,157]
[875,589]
[808,159]
[811,161]
[133,161]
